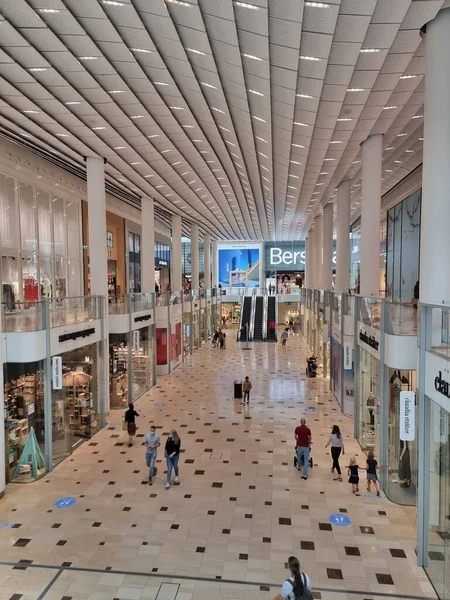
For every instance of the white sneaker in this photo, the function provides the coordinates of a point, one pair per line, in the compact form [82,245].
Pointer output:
[167,486]
[177,479]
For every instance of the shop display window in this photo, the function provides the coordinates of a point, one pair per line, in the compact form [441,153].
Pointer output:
[369,409]
[402,455]
[118,370]
[134,262]
[75,408]
[24,421]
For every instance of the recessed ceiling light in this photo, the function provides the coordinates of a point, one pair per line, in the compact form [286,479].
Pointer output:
[298,146]
[265,179]
[408,76]
[231,143]
[198,189]
[150,175]
[37,69]
[255,92]
[180,3]
[356,90]
[336,142]
[355,162]
[208,85]
[198,141]
[176,108]
[390,148]
[388,170]
[88,57]
[62,135]
[301,124]
[163,83]
[116,91]
[421,139]
[317,4]
[252,56]
[224,129]
[262,139]
[324,173]
[288,196]
[294,176]
[344,119]
[417,117]
[259,119]
[153,135]
[31,112]
[194,51]
[135,163]
[142,50]
[313,58]
[410,151]
[72,102]
[399,162]
[370,50]
[113,3]
[303,96]
[137,117]
[48,10]
[265,168]
[389,107]
[330,159]
[246,5]
[292,187]
[122,180]
[98,128]
[217,110]
[176,163]
[204,151]
[164,151]
[402,134]
[295,162]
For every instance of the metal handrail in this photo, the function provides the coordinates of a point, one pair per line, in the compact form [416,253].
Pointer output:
[276,317]
[252,318]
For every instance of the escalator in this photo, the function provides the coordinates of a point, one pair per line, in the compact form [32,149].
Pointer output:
[246,312]
[258,322]
[271,318]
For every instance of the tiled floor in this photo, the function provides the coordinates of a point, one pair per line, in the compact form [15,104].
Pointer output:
[240,510]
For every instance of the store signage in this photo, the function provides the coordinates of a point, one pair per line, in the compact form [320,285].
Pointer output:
[369,339]
[76,334]
[136,339]
[57,373]
[442,386]
[407,416]
[286,257]
[142,318]
[159,262]
[348,356]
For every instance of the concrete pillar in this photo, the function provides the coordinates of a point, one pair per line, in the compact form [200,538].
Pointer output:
[307,261]
[343,237]
[98,256]
[318,252]
[311,259]
[207,260]
[215,277]
[435,216]
[147,246]
[372,150]
[327,262]
[195,283]
[176,253]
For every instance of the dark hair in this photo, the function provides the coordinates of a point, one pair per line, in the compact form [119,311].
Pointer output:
[131,406]
[336,430]
[294,567]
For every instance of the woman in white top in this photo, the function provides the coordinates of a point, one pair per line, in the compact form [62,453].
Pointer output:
[298,585]
[337,446]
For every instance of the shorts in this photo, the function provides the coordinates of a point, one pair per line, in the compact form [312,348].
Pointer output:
[131,428]
[372,477]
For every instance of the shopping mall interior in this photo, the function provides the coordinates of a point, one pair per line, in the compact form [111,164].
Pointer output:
[232,216]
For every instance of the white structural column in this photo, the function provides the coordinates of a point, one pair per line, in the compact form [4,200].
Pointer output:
[207,260]
[176,253]
[343,237]
[98,254]
[307,261]
[148,246]
[327,263]
[98,263]
[435,216]
[195,281]
[311,260]
[372,150]
[214,274]
[318,252]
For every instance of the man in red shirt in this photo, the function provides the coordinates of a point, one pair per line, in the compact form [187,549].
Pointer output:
[303,440]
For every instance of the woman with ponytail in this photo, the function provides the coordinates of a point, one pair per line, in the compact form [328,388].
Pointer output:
[298,586]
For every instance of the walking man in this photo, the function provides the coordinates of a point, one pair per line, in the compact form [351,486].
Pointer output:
[247,386]
[303,441]
[152,443]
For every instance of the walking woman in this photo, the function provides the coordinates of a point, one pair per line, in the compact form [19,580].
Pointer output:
[130,420]
[298,585]
[172,452]
[337,446]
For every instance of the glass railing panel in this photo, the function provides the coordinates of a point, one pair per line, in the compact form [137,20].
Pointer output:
[401,319]
[68,311]
[23,316]
[117,305]
[369,311]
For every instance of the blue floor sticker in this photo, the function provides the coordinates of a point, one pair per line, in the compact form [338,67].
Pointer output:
[7,525]
[310,409]
[159,404]
[340,520]
[65,502]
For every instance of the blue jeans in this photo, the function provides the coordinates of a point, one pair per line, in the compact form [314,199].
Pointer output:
[150,459]
[303,455]
[172,463]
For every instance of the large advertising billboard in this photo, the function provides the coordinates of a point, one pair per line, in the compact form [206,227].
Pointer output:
[238,265]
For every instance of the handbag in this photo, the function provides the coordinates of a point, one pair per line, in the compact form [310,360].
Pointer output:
[124,425]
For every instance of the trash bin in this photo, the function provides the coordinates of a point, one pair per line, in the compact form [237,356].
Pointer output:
[238,389]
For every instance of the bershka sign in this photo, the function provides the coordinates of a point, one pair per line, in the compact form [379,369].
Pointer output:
[286,257]
[407,416]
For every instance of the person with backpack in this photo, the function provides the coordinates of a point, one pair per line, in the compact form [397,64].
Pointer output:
[298,586]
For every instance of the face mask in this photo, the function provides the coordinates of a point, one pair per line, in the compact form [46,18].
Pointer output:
[152,433]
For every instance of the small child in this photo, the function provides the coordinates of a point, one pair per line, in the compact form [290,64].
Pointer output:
[372,477]
[353,475]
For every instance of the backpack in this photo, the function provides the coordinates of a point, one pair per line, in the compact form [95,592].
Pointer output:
[307,595]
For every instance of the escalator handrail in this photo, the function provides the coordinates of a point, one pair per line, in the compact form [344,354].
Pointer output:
[276,318]
[252,318]
[264,323]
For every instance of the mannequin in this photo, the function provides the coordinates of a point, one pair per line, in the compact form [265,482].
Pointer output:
[404,465]
[371,407]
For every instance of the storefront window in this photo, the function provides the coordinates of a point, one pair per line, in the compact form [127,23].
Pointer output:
[76,407]
[402,455]
[369,402]
[142,361]
[134,262]
[24,421]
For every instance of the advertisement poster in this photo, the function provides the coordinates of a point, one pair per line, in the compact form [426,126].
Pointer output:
[238,265]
